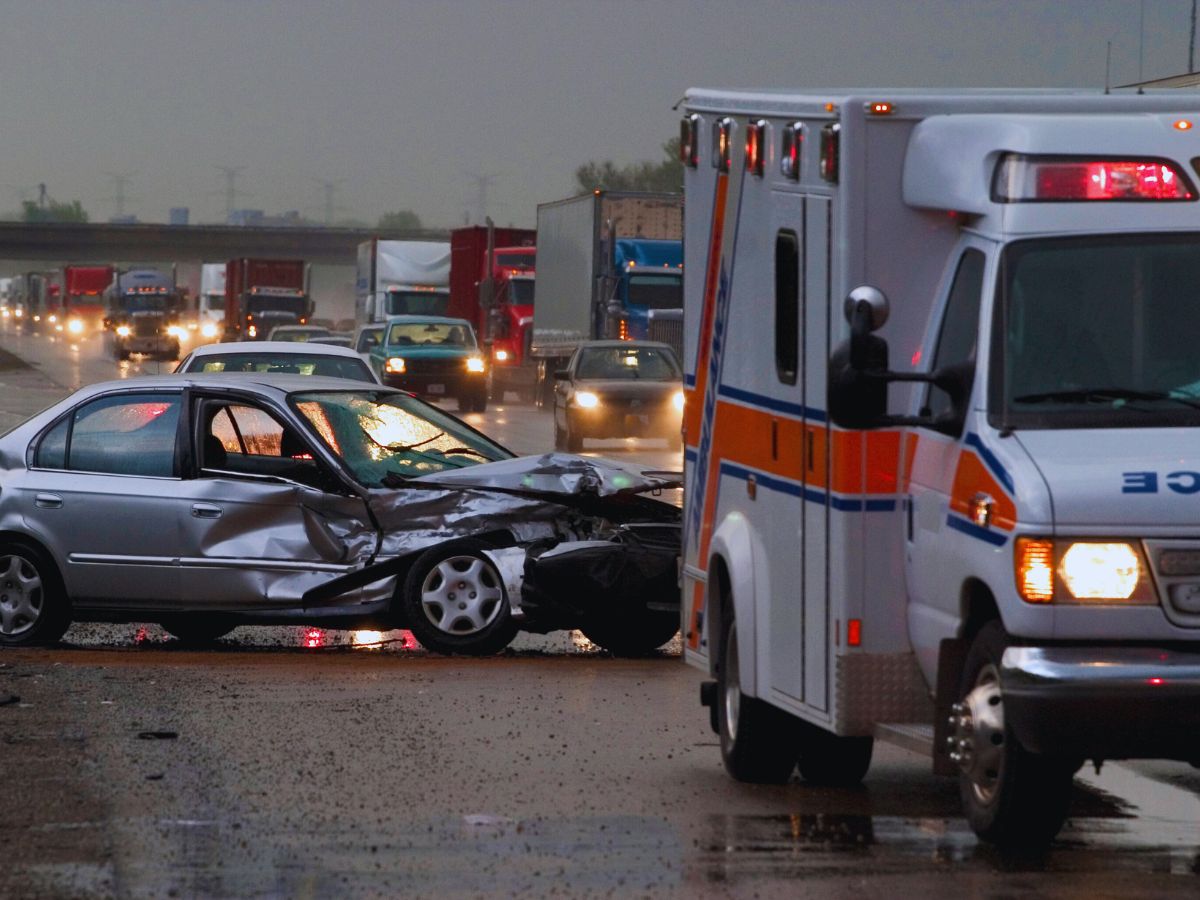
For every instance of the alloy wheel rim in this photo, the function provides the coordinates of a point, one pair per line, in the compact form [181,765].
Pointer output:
[20,595]
[977,736]
[733,685]
[462,595]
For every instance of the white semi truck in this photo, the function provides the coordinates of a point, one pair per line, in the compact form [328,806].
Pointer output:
[942,428]
[401,278]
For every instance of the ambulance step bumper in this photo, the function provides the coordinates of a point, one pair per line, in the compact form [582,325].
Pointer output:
[1104,702]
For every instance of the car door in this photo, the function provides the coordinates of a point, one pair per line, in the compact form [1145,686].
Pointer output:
[102,493]
[265,518]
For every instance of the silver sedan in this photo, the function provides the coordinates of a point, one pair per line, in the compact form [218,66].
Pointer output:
[208,501]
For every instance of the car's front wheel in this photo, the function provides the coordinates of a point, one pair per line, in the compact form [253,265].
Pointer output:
[34,607]
[454,601]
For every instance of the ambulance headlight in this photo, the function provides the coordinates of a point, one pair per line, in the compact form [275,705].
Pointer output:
[1087,571]
[586,400]
[1095,571]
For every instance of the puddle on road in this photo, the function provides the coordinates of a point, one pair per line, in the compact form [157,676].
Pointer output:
[283,638]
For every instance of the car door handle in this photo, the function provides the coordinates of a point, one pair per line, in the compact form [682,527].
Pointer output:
[206,511]
[48,501]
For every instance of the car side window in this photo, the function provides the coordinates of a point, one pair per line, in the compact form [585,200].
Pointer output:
[52,450]
[130,434]
[240,438]
[959,333]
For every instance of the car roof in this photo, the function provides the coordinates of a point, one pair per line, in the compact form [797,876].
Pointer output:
[602,345]
[427,320]
[274,347]
[275,385]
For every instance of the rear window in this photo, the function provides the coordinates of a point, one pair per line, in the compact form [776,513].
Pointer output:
[283,364]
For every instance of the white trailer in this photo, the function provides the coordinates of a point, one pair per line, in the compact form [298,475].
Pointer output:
[211,306]
[401,278]
[998,559]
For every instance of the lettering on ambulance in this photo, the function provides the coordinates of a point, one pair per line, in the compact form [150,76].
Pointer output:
[1148,482]
[978,472]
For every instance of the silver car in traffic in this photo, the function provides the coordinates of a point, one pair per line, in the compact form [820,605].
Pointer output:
[207,501]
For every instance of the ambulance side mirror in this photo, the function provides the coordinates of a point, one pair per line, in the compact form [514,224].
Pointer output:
[857,390]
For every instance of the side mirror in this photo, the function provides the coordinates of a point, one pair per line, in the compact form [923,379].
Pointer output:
[957,381]
[562,375]
[857,386]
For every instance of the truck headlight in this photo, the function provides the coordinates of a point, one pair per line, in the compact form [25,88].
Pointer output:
[586,400]
[1065,571]
[175,331]
[395,365]
[124,331]
[75,326]
[500,355]
[474,363]
[208,330]
[677,400]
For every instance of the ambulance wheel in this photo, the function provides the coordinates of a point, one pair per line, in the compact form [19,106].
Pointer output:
[757,740]
[832,761]
[634,635]
[1011,797]
[454,602]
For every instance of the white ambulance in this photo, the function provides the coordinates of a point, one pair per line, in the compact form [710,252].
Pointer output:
[942,432]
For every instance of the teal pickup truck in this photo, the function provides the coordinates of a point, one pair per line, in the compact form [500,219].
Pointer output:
[434,357]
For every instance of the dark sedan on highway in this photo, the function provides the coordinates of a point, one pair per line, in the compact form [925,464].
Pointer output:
[204,502]
[618,389]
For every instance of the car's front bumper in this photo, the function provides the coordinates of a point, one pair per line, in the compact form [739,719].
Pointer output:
[437,384]
[1104,702]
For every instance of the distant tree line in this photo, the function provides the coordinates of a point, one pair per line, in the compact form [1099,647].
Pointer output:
[666,175]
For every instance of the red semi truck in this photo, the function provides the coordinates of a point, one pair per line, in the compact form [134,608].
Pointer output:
[496,297]
[83,297]
[261,294]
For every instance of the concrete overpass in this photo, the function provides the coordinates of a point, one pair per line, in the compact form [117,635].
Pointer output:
[102,243]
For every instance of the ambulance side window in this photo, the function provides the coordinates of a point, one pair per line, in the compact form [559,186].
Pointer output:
[960,325]
[787,306]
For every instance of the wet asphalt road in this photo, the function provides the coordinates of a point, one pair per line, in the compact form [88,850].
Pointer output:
[300,762]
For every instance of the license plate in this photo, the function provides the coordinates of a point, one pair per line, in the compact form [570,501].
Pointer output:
[436,389]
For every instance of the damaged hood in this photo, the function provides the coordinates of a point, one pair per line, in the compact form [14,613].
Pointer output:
[559,473]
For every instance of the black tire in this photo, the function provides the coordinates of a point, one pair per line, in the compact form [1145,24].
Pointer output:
[560,437]
[1011,797]
[572,439]
[632,635]
[832,761]
[481,402]
[427,593]
[198,629]
[34,607]
[758,741]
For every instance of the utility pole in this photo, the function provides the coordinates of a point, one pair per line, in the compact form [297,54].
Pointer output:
[232,191]
[330,188]
[120,183]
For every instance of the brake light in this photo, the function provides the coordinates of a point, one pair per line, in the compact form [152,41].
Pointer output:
[854,633]
[830,151]
[1066,179]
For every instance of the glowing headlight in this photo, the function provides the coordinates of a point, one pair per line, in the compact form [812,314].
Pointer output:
[20,313]
[252,331]
[677,400]
[1100,571]
[395,365]
[52,318]
[208,330]
[474,364]
[75,326]
[175,331]
[586,400]
[500,355]
[124,330]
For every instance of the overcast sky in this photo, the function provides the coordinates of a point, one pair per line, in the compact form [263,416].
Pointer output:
[405,105]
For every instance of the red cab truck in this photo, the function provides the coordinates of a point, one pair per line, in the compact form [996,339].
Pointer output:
[497,297]
[261,294]
[83,297]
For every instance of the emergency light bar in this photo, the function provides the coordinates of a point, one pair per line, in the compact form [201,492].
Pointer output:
[689,141]
[756,138]
[1072,179]
[789,156]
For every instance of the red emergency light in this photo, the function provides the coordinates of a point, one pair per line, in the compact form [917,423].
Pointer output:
[756,138]
[830,151]
[1074,179]
[689,141]
[789,154]
[722,138]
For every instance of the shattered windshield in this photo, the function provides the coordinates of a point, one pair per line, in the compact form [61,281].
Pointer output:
[386,437]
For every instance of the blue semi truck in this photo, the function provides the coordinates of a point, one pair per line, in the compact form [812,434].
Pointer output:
[610,266]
